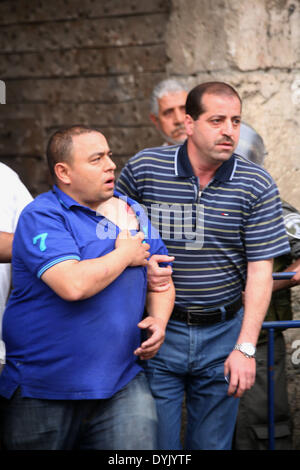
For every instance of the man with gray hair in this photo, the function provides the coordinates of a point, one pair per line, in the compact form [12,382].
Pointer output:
[167,110]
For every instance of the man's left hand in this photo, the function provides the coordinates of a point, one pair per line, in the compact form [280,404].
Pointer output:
[240,371]
[156,335]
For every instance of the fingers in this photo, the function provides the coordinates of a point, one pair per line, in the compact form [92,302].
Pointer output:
[140,235]
[239,384]
[159,287]
[162,258]
[149,348]
[159,277]
[239,372]
[126,234]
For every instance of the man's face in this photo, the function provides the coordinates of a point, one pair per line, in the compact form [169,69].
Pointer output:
[91,170]
[213,137]
[170,119]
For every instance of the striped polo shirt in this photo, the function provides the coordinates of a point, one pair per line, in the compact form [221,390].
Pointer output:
[212,233]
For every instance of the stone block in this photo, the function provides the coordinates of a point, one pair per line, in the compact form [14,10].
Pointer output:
[237,34]
[83,33]
[14,11]
[21,137]
[83,62]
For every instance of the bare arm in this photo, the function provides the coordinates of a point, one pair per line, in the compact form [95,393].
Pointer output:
[6,240]
[288,283]
[257,298]
[159,278]
[76,280]
[159,307]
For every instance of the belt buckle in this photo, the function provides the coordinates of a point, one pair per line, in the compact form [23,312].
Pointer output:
[189,320]
[211,321]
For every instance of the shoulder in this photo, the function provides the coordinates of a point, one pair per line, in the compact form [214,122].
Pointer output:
[6,171]
[11,186]
[44,204]
[9,177]
[154,155]
[252,172]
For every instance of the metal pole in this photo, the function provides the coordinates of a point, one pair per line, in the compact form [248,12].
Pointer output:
[270,326]
[271,389]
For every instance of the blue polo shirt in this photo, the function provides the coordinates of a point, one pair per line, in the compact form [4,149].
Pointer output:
[57,349]
[213,233]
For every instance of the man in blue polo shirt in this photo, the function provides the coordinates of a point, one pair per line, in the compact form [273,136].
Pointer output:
[220,217]
[72,325]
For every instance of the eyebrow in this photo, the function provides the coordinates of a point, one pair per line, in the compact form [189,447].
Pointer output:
[173,107]
[109,153]
[224,115]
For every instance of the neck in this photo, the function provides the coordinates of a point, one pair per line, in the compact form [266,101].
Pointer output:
[203,171]
[93,205]
[203,168]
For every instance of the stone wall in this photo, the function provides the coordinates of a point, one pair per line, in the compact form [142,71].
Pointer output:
[67,62]
[255,46]
[95,62]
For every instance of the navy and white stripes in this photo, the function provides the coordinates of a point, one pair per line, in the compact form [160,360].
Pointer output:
[212,233]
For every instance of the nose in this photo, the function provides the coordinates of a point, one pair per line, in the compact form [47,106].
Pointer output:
[228,127]
[178,115]
[110,165]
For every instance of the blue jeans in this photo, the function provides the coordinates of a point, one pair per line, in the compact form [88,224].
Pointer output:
[191,362]
[126,421]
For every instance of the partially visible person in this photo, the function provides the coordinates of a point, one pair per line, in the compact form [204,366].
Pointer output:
[14,196]
[73,323]
[224,227]
[252,421]
[6,240]
[167,110]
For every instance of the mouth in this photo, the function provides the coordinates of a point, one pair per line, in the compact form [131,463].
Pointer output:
[110,182]
[225,145]
[178,132]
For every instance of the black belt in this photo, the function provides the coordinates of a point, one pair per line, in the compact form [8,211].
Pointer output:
[208,316]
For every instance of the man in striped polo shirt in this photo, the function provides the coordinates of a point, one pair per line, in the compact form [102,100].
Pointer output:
[221,218]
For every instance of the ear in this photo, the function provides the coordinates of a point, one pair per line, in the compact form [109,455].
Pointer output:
[62,172]
[189,124]
[154,119]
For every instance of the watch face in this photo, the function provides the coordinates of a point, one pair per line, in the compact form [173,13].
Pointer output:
[248,348]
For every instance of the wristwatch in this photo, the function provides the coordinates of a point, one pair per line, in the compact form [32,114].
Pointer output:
[248,349]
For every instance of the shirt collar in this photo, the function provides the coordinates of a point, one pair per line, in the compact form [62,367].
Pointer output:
[183,167]
[64,199]
[68,201]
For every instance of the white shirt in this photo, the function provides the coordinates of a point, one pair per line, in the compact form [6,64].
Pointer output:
[14,196]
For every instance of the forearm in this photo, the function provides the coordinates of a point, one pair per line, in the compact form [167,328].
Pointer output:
[6,240]
[78,280]
[239,368]
[159,307]
[257,298]
[160,304]
[288,283]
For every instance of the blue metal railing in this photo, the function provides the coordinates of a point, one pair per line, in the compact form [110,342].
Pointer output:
[270,326]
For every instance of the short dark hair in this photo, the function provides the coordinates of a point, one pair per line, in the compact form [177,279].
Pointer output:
[60,145]
[194,105]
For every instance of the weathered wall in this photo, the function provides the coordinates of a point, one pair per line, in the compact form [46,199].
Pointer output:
[67,62]
[96,61]
[255,46]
